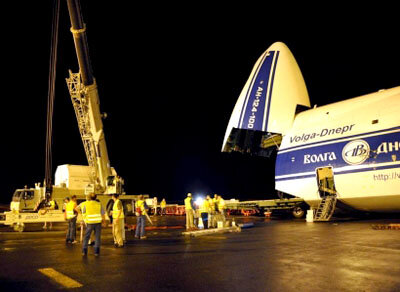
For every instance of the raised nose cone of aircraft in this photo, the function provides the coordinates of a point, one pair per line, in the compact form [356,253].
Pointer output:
[271,95]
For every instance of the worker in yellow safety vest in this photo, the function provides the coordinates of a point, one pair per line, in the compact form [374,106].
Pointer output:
[189,209]
[141,212]
[118,221]
[211,204]
[204,210]
[70,215]
[221,207]
[211,214]
[51,205]
[215,203]
[94,215]
[163,205]
[83,221]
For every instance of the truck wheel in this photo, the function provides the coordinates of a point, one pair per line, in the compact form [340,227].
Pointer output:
[298,212]
[19,227]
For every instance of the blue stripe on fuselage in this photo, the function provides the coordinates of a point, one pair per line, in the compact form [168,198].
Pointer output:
[252,114]
[372,168]
[248,90]
[308,159]
[270,92]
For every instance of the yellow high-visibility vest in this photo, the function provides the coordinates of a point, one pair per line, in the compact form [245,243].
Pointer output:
[93,212]
[163,204]
[140,207]
[205,207]
[116,209]
[52,205]
[221,204]
[71,205]
[188,205]
[211,204]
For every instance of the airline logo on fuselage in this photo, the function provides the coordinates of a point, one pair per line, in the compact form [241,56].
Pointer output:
[314,158]
[356,152]
[323,133]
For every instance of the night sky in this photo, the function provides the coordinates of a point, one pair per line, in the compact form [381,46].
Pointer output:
[168,78]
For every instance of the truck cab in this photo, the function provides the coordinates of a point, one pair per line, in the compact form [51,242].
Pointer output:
[25,200]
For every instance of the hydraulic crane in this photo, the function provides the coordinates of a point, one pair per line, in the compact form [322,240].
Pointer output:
[85,99]
[98,176]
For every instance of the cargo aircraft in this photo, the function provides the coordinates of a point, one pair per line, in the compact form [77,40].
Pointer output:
[348,150]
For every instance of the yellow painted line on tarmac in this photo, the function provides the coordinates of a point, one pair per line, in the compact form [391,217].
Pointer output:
[215,237]
[61,279]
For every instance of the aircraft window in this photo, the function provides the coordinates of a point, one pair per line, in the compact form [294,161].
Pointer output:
[375,121]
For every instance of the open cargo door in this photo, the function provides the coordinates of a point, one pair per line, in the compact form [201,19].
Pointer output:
[274,93]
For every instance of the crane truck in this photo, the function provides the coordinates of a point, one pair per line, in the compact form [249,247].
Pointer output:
[98,176]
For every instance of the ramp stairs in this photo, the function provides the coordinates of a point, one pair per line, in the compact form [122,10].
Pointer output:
[326,208]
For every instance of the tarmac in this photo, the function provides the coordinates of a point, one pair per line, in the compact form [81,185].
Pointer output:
[276,254]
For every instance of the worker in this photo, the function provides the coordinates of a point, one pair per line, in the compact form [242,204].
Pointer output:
[155,202]
[211,213]
[64,208]
[221,208]
[65,202]
[204,210]
[51,205]
[141,212]
[118,221]
[83,222]
[163,204]
[70,215]
[215,202]
[189,209]
[94,216]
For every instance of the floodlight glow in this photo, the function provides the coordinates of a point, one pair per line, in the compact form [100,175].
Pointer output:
[199,200]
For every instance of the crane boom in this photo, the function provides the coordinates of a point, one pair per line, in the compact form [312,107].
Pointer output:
[78,29]
[85,99]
